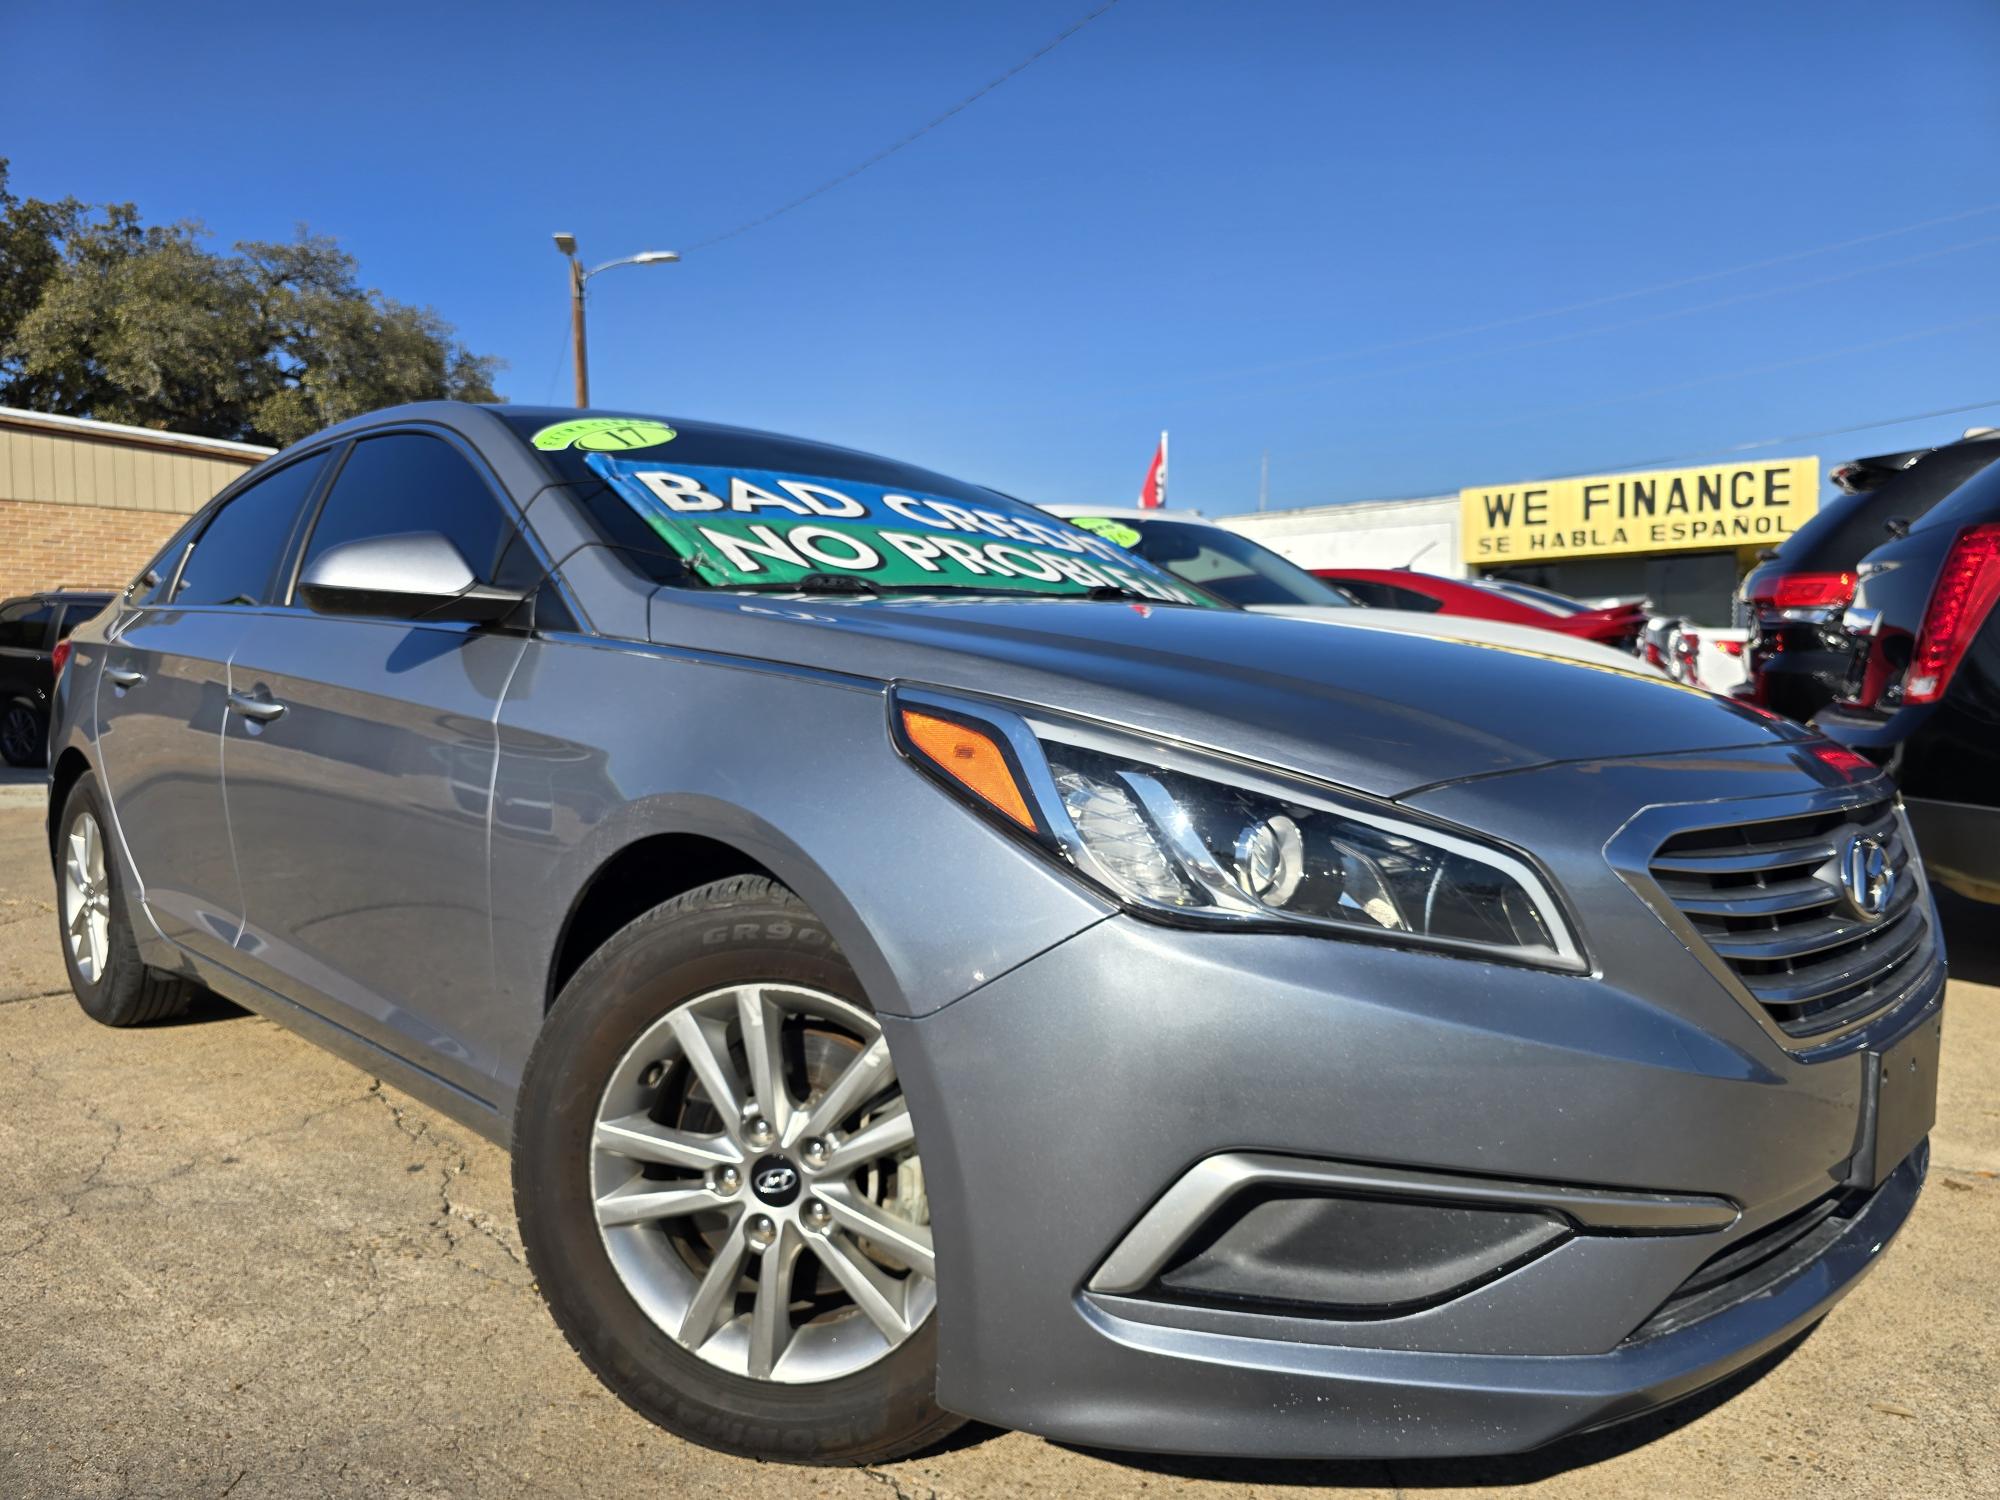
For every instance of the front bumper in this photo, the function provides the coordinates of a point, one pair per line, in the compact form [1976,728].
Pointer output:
[1057,1104]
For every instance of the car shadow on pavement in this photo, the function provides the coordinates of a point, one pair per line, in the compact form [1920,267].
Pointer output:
[206,1006]
[1495,1472]
[1971,938]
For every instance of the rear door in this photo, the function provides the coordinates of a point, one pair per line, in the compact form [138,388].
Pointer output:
[359,775]
[163,698]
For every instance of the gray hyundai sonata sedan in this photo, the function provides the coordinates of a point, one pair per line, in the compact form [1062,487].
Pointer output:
[927,963]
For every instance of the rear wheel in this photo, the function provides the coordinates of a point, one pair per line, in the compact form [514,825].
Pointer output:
[23,736]
[719,1188]
[110,980]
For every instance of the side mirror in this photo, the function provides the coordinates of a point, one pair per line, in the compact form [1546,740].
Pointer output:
[411,576]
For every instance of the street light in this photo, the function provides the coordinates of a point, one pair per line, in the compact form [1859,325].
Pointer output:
[578,277]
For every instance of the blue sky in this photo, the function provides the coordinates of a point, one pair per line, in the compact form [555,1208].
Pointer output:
[1263,225]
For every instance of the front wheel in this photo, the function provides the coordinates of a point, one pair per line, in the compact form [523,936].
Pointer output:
[719,1190]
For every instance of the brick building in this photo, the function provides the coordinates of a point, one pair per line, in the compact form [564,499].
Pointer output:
[86,503]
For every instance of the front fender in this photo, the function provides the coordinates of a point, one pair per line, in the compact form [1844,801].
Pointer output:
[602,744]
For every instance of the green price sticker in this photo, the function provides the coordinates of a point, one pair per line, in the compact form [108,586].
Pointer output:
[603,434]
[1110,530]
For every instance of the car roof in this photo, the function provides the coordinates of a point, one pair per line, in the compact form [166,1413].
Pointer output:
[1126,513]
[469,416]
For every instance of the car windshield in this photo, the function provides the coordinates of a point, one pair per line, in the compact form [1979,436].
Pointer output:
[697,505]
[1234,567]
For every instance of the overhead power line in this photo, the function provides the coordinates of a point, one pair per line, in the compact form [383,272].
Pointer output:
[887,151]
[1801,437]
[1666,460]
[1515,320]
[1625,325]
[1719,376]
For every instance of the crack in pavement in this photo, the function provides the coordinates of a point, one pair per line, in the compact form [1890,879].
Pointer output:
[71,1199]
[895,1484]
[396,1111]
[24,999]
[455,1165]
[481,1223]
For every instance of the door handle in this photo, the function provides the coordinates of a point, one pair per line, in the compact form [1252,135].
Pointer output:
[124,677]
[263,710]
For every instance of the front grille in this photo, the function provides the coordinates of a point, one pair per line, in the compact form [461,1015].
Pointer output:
[1767,899]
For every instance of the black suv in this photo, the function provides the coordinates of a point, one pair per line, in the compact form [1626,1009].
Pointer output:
[1798,656]
[30,627]
[1922,691]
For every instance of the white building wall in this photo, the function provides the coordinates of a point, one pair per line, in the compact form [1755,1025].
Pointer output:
[1367,534]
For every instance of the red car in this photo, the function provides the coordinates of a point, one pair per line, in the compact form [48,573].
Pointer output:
[1618,625]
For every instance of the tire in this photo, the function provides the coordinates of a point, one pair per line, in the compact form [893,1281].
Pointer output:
[110,980]
[24,737]
[700,955]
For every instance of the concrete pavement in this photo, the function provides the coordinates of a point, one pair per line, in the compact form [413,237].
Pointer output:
[232,1265]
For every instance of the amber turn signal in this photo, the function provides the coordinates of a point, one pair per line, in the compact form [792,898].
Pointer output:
[970,758]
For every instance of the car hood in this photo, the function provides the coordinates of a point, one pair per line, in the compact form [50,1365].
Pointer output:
[1528,638]
[1383,711]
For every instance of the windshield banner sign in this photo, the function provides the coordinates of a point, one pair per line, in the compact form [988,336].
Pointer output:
[756,527]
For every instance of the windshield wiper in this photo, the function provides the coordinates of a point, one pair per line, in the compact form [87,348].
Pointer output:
[854,583]
[834,583]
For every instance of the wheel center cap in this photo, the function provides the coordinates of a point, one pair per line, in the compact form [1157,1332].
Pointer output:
[775,1180]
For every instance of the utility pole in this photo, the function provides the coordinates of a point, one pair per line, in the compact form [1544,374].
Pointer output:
[578,347]
[578,278]
[1264,480]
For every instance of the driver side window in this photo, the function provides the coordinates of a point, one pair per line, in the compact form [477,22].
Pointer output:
[408,481]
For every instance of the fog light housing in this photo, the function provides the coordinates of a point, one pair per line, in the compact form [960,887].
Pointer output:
[1352,1257]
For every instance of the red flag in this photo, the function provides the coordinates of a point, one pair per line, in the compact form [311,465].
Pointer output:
[1154,494]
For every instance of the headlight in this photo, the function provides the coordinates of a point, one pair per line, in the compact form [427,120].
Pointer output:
[1189,838]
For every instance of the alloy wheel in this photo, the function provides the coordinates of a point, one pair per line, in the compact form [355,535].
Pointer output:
[87,898]
[20,737]
[756,1184]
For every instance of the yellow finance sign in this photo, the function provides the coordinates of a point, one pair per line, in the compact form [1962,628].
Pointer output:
[1667,510]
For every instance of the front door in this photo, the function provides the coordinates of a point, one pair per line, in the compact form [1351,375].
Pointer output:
[359,814]
[359,772]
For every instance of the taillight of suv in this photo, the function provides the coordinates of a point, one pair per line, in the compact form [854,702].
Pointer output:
[1805,596]
[59,657]
[1964,593]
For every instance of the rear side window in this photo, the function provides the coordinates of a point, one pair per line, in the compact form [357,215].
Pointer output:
[24,624]
[76,612]
[237,553]
[1388,596]
[1978,499]
[408,481]
[1845,531]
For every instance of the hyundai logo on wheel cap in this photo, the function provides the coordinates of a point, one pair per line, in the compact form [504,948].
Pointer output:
[775,1180]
